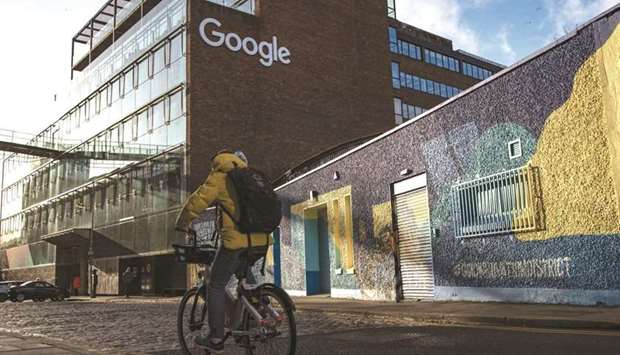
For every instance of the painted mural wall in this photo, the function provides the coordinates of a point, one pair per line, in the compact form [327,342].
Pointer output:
[563,106]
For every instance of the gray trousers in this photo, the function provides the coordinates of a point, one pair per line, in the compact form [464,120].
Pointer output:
[226,263]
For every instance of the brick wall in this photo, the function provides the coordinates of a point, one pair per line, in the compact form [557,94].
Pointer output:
[337,87]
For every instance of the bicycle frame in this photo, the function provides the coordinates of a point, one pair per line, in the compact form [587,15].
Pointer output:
[243,290]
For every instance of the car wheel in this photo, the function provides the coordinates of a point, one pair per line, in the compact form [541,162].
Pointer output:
[54,298]
[3,297]
[60,297]
[20,297]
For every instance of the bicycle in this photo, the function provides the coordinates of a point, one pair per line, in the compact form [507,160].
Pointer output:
[260,320]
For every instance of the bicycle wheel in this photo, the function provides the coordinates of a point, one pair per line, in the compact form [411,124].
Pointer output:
[192,321]
[277,335]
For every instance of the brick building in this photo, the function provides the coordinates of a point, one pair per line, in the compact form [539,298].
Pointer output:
[160,85]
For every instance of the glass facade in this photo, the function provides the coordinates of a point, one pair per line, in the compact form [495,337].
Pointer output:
[413,51]
[404,112]
[122,144]
[403,47]
[442,61]
[475,71]
[405,80]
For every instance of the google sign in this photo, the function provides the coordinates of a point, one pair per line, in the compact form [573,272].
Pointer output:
[269,52]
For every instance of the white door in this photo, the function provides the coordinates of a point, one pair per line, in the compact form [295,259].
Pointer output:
[414,233]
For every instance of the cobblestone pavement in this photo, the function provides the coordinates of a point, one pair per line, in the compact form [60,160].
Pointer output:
[138,325]
[147,326]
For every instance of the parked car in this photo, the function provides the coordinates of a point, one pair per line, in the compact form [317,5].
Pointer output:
[4,288]
[38,291]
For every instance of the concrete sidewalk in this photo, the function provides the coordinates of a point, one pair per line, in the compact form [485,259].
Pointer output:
[12,344]
[470,313]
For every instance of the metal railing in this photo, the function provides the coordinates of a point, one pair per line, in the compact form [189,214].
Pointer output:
[501,203]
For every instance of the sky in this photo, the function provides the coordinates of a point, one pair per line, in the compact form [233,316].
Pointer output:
[36,37]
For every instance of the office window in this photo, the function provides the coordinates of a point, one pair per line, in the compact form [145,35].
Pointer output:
[69,209]
[176,47]
[108,95]
[112,193]
[441,60]
[128,131]
[142,123]
[87,202]
[78,202]
[100,197]
[476,71]
[428,86]
[159,116]
[135,132]
[416,83]
[403,47]
[393,35]
[143,71]
[398,110]
[404,111]
[176,105]
[115,88]
[159,59]
[395,75]
[128,81]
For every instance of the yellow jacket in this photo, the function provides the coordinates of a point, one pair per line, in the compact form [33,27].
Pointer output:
[218,189]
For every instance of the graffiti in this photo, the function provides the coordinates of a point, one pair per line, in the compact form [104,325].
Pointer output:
[531,269]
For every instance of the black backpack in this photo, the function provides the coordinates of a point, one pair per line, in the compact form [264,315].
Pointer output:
[259,208]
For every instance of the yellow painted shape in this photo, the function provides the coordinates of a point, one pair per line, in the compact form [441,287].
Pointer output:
[577,153]
[609,61]
[382,225]
[340,224]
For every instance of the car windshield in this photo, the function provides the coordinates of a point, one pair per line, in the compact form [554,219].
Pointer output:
[27,283]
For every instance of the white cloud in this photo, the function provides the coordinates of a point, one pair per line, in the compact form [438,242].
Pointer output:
[478,3]
[566,15]
[510,56]
[443,17]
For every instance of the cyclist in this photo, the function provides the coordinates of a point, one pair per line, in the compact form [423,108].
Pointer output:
[218,190]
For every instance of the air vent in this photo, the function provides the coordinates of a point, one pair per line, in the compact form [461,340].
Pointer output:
[514,149]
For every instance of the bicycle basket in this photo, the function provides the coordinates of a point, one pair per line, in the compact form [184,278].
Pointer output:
[189,254]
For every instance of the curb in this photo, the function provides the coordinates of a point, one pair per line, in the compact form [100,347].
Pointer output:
[455,319]
[56,344]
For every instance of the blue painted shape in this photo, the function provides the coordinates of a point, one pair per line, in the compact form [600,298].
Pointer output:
[277,266]
[313,283]
[312,244]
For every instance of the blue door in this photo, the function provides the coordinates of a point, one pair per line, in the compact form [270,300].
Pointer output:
[277,267]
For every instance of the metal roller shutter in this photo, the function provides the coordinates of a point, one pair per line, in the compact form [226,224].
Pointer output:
[416,257]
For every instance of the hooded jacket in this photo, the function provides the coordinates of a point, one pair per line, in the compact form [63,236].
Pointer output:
[218,189]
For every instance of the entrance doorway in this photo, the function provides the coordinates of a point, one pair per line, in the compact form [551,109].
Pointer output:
[316,232]
[414,238]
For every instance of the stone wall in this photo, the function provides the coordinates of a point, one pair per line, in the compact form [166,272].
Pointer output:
[562,105]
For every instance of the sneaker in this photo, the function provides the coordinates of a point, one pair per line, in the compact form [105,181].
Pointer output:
[216,347]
